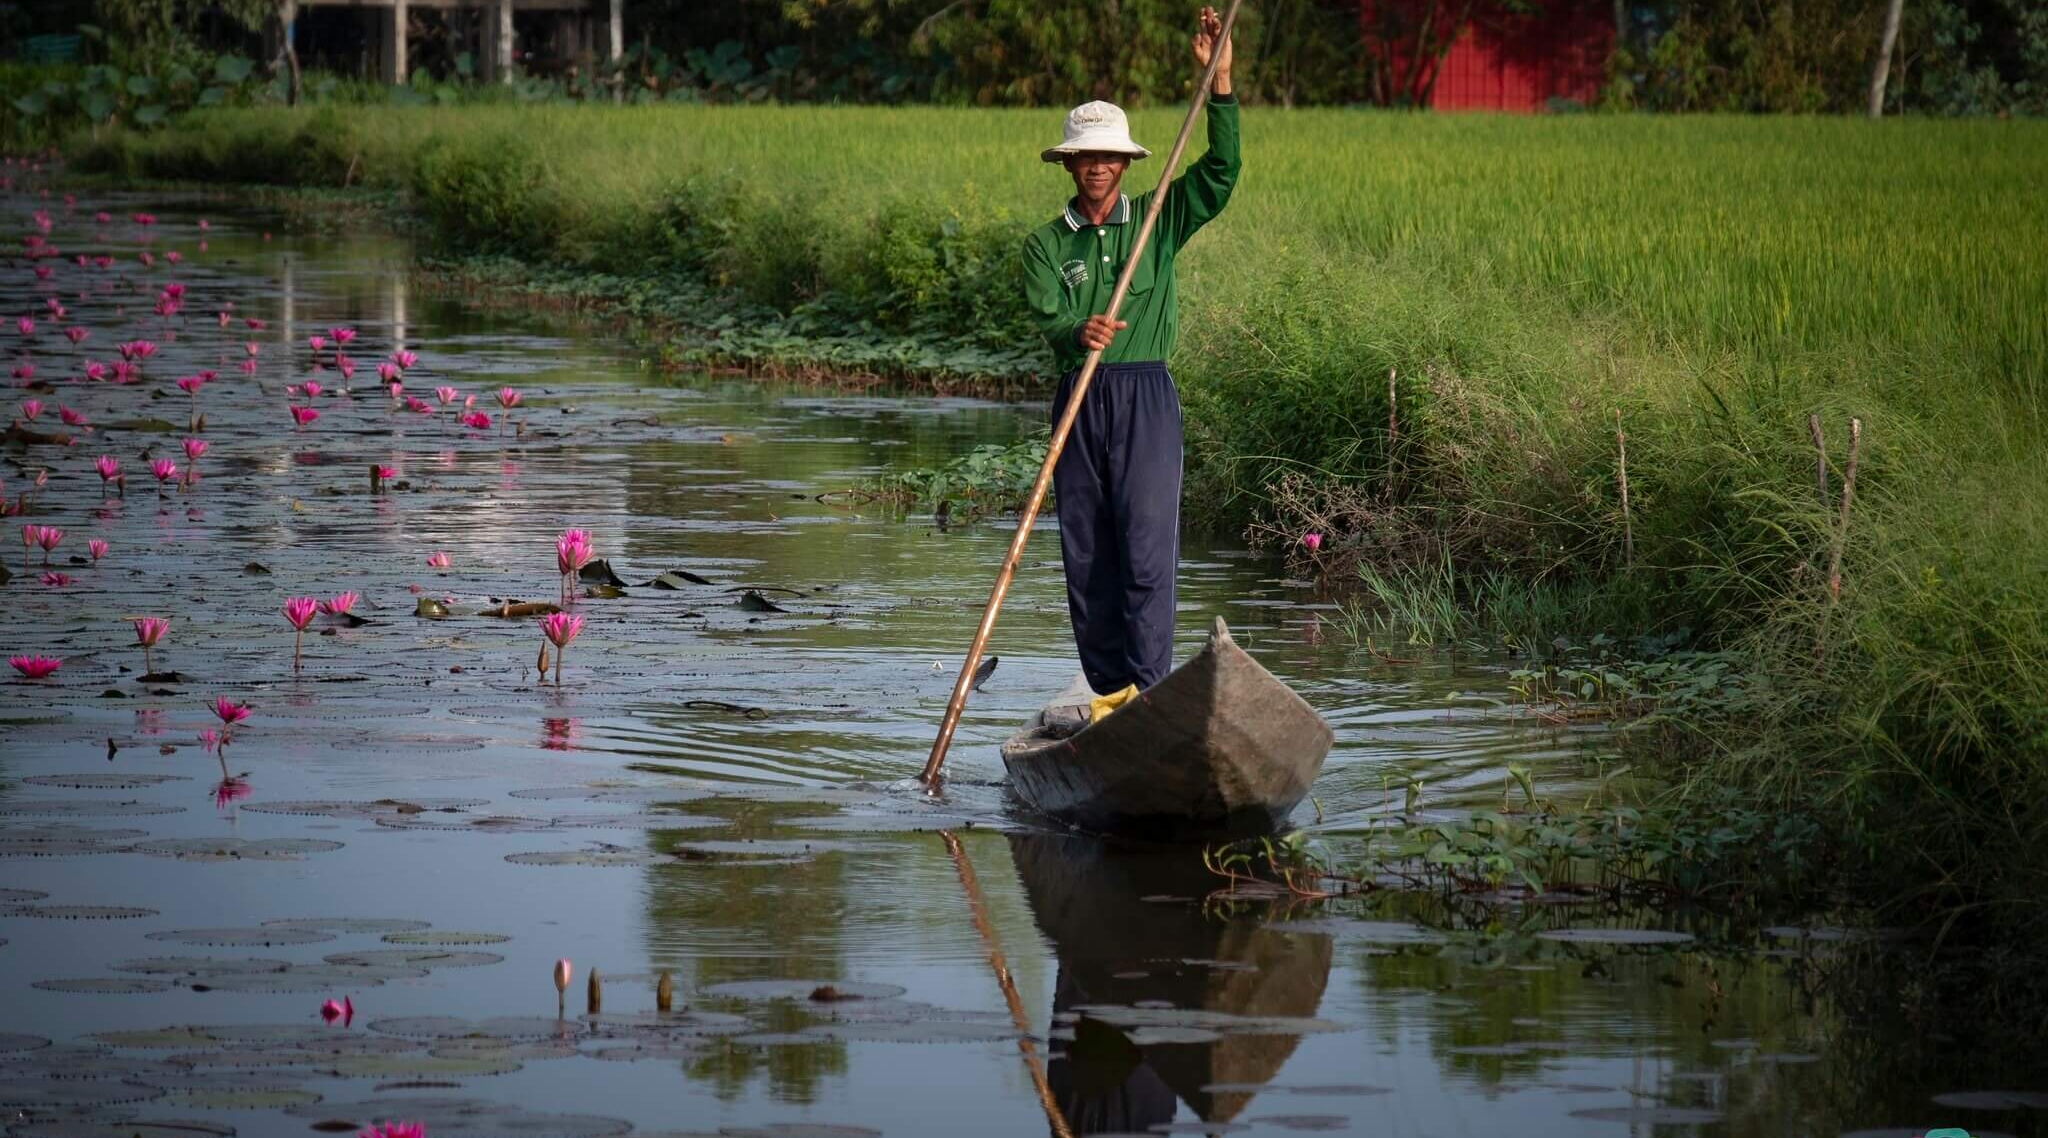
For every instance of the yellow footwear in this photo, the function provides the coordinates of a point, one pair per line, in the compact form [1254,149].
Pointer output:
[1102,705]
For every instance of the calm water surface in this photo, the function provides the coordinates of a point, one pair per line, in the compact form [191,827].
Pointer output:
[713,791]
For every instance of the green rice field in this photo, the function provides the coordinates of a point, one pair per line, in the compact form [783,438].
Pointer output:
[1704,283]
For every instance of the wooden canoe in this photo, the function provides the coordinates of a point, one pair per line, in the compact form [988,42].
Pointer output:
[1116,948]
[1219,747]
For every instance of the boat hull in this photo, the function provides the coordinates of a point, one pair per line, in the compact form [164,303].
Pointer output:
[1220,747]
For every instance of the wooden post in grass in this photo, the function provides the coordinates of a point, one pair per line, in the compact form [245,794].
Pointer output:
[1393,431]
[1628,530]
[1842,525]
[1820,456]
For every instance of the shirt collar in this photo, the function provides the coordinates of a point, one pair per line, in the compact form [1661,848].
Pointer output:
[1117,215]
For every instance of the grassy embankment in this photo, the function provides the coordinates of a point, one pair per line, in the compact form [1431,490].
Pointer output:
[1714,281]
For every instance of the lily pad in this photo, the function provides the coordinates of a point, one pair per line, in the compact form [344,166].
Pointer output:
[440,938]
[265,1098]
[771,849]
[240,938]
[753,601]
[200,966]
[675,579]
[459,1116]
[20,896]
[85,912]
[599,571]
[236,849]
[363,809]
[105,986]
[94,781]
[136,1128]
[38,1093]
[429,958]
[84,808]
[10,1041]
[607,858]
[346,925]
[430,609]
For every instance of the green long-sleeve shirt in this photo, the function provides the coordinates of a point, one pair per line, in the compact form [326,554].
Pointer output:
[1071,266]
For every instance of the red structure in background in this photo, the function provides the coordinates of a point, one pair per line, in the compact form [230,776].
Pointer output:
[1508,62]
[1485,55]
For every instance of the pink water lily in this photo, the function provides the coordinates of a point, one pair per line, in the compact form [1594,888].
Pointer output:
[194,448]
[560,628]
[388,373]
[304,415]
[509,397]
[149,630]
[446,395]
[572,552]
[72,417]
[31,408]
[415,403]
[1312,541]
[316,342]
[95,371]
[136,349]
[311,388]
[339,604]
[26,325]
[390,1129]
[34,667]
[77,333]
[229,712]
[126,372]
[48,538]
[437,560]
[343,1010]
[56,580]
[31,536]
[97,547]
[342,335]
[109,469]
[299,611]
[24,370]
[346,366]
[189,384]
[405,359]
[252,348]
[476,420]
[165,470]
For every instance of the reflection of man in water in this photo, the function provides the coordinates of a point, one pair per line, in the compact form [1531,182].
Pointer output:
[1100,1079]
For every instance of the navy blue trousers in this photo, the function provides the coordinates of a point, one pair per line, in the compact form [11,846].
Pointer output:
[1118,488]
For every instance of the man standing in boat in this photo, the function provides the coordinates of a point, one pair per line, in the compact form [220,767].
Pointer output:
[1118,480]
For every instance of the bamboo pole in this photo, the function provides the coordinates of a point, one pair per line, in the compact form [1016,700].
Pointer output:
[1025,1046]
[1628,529]
[1842,524]
[1065,426]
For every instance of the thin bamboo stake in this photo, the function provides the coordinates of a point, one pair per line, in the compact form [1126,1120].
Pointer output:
[961,683]
[1393,430]
[1628,529]
[1025,1046]
[1820,456]
[1842,525]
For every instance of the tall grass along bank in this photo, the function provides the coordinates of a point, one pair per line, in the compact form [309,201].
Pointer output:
[1432,337]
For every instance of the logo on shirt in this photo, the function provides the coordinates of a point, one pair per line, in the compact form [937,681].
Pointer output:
[1075,273]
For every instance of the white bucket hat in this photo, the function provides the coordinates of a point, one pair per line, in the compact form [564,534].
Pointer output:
[1096,128]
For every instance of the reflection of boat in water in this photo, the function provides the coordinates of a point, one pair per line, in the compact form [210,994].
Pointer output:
[1115,948]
